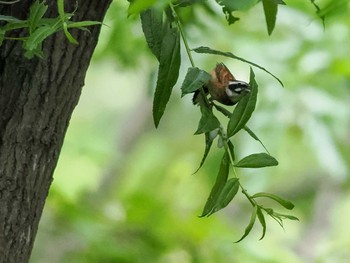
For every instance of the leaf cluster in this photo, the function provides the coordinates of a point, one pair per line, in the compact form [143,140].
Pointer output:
[163,31]
[38,27]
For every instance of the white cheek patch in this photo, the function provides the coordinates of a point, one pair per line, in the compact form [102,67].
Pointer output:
[229,92]
[237,87]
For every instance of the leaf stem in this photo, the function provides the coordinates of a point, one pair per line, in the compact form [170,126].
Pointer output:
[184,39]
[244,191]
[188,50]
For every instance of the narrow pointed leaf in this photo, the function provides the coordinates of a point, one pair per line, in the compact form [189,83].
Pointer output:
[82,24]
[209,138]
[278,217]
[270,10]
[36,13]
[257,160]
[255,137]
[290,217]
[69,36]
[152,26]
[261,218]
[223,110]
[208,121]
[207,50]
[60,8]
[283,202]
[250,225]
[244,109]
[168,72]
[184,3]
[231,149]
[220,182]
[39,35]
[194,80]
[14,25]
[227,194]
[9,19]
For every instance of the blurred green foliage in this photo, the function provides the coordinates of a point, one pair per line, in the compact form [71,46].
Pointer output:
[123,191]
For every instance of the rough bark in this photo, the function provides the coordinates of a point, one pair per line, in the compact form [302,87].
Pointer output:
[37,98]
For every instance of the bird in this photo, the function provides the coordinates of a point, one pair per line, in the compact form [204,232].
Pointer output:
[223,87]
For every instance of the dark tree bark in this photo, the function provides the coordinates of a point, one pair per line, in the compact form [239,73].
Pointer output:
[37,98]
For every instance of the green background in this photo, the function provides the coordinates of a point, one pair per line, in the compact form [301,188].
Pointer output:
[123,191]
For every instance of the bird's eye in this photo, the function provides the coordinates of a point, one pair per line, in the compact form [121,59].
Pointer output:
[238,86]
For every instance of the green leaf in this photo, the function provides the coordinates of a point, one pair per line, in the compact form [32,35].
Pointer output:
[220,182]
[60,7]
[272,213]
[70,38]
[15,24]
[290,217]
[270,10]
[38,36]
[207,50]
[261,218]
[36,52]
[230,18]
[168,72]
[257,160]
[194,80]
[136,6]
[209,138]
[250,225]
[184,3]
[251,133]
[208,121]
[227,194]
[82,24]
[152,26]
[229,6]
[285,203]
[36,13]
[64,17]
[278,217]
[231,149]
[223,110]
[9,19]
[237,4]
[244,109]
[255,137]
[332,7]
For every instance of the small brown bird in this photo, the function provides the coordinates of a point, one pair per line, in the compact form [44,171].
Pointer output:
[223,87]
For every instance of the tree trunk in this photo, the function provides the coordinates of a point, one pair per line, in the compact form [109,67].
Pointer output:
[37,98]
